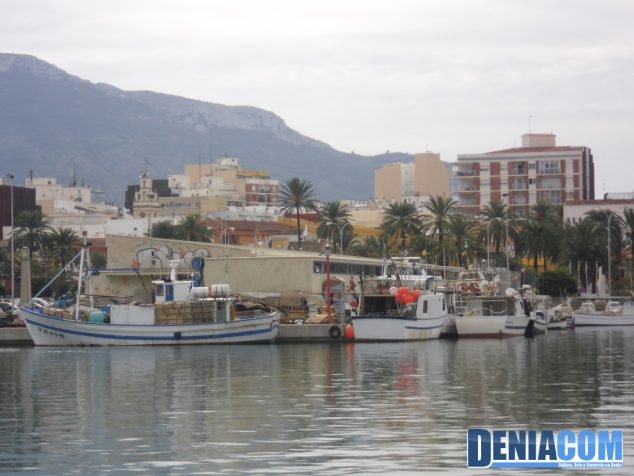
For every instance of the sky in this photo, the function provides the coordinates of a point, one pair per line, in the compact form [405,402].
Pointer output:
[447,76]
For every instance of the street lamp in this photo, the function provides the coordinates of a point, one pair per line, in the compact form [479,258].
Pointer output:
[341,228]
[223,239]
[10,177]
[506,241]
[482,218]
[610,215]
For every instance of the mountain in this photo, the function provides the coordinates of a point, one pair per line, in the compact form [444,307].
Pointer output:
[52,123]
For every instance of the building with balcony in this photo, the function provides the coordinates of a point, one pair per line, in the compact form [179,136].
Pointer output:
[539,171]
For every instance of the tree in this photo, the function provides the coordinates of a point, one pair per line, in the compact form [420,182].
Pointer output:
[381,247]
[440,210]
[458,233]
[583,248]
[496,213]
[30,229]
[165,230]
[628,225]
[297,194]
[401,219]
[601,218]
[192,228]
[334,217]
[556,283]
[61,244]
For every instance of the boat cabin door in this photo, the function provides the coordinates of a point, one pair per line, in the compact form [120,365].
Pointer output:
[169,292]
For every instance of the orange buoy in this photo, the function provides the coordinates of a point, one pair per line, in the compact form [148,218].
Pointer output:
[348,332]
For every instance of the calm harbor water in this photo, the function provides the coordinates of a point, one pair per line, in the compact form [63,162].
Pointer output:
[310,408]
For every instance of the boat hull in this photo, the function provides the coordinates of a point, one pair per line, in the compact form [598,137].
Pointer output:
[579,320]
[50,330]
[490,326]
[369,328]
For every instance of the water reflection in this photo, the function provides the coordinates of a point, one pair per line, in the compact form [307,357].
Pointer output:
[332,409]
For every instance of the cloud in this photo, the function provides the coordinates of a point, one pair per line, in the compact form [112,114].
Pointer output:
[460,76]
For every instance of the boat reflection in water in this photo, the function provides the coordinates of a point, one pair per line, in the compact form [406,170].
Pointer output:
[321,408]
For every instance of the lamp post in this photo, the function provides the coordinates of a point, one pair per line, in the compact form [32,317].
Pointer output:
[328,298]
[506,241]
[488,222]
[223,239]
[610,215]
[10,177]
[341,228]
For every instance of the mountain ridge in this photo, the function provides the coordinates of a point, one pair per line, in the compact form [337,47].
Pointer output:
[53,122]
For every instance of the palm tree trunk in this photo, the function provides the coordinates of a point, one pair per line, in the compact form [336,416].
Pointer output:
[299,235]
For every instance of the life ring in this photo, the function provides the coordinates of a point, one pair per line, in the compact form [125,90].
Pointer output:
[474,287]
[461,287]
[334,332]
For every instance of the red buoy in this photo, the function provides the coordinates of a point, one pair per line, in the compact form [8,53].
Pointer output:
[348,332]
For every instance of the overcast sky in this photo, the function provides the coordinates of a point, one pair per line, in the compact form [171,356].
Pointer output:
[449,76]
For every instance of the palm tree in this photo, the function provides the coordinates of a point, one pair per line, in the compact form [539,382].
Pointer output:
[458,232]
[530,242]
[381,246]
[192,228]
[628,225]
[165,230]
[583,246]
[30,230]
[401,219]
[496,213]
[61,244]
[334,222]
[440,209]
[297,194]
[601,218]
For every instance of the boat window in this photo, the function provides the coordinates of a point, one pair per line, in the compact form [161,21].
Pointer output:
[443,305]
[159,290]
[425,306]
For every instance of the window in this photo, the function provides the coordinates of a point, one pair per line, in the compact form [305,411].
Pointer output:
[549,167]
[531,181]
[425,306]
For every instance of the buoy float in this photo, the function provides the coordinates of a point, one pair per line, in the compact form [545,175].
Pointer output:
[348,332]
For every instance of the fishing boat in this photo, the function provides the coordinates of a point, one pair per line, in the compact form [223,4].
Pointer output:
[616,313]
[180,314]
[398,314]
[492,316]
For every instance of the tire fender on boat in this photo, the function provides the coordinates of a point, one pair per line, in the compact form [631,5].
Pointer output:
[334,332]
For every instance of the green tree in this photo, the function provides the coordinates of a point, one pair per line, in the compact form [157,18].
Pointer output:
[165,230]
[31,228]
[401,219]
[297,194]
[334,217]
[583,247]
[192,228]
[61,244]
[496,213]
[459,236]
[556,283]
[628,225]
[381,246]
[437,221]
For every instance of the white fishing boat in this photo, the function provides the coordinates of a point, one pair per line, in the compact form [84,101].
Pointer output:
[401,314]
[181,314]
[616,313]
[491,316]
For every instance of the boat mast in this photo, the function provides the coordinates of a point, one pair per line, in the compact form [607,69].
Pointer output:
[81,272]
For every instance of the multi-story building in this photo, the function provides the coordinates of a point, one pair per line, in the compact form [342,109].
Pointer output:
[539,171]
[426,176]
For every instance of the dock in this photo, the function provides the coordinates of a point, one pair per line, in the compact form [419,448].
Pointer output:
[11,336]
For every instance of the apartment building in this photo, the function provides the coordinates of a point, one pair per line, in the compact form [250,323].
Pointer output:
[426,176]
[538,171]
